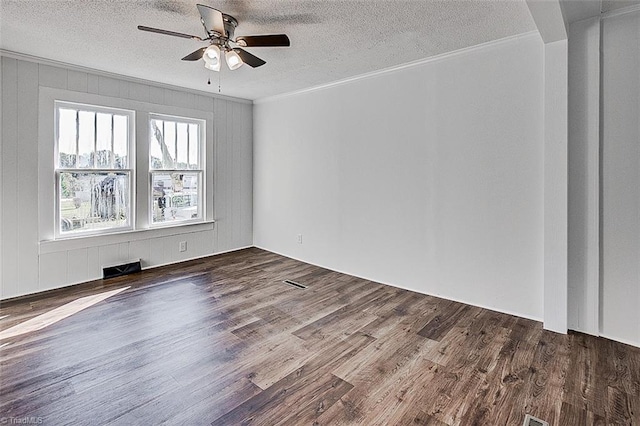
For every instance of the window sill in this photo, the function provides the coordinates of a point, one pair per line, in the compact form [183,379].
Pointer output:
[80,242]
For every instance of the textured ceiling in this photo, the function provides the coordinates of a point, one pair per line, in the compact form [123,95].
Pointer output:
[330,40]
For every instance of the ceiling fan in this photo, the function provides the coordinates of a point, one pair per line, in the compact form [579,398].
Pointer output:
[219,28]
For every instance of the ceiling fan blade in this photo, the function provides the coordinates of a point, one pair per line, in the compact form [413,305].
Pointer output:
[167,32]
[271,40]
[212,19]
[248,58]
[194,56]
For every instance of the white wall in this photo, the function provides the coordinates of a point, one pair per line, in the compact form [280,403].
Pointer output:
[555,185]
[620,292]
[584,176]
[1,177]
[428,177]
[29,265]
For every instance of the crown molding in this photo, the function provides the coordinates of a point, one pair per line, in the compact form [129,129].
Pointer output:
[59,64]
[621,11]
[396,68]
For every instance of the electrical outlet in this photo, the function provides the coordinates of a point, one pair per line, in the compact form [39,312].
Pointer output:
[299,238]
[183,246]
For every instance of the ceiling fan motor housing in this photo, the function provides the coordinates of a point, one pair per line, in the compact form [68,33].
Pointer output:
[220,29]
[230,24]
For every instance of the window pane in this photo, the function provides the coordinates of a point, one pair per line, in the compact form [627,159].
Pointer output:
[194,139]
[155,150]
[92,201]
[163,144]
[175,144]
[182,142]
[67,138]
[86,142]
[176,196]
[103,143]
[121,141]
[170,142]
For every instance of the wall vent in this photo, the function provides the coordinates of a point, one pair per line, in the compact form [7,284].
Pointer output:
[294,284]
[529,420]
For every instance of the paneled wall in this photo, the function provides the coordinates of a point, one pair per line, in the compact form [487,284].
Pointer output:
[584,176]
[29,265]
[620,274]
[604,169]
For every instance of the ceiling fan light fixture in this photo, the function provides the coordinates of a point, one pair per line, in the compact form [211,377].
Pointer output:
[233,60]
[219,32]
[212,52]
[211,58]
[212,67]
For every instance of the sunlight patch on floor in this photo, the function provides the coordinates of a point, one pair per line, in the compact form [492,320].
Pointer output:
[57,314]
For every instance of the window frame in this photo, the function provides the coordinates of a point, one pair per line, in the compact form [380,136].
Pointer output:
[130,170]
[200,171]
[142,107]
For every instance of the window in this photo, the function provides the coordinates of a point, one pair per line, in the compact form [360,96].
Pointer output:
[105,172]
[176,169]
[93,169]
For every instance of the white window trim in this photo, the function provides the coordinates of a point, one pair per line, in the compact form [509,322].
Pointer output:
[202,160]
[67,244]
[46,167]
[131,170]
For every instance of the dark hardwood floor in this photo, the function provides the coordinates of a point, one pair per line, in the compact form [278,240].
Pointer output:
[223,341]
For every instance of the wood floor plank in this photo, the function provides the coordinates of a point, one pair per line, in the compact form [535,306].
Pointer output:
[223,341]
[572,415]
[381,359]
[442,323]
[623,366]
[326,391]
[585,387]
[505,397]
[284,391]
[549,368]
[191,404]
[407,390]
[621,407]
[456,340]
[420,418]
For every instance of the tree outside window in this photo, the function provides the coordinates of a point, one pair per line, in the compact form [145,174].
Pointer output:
[93,151]
[175,163]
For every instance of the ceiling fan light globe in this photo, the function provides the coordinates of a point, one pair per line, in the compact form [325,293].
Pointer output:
[211,58]
[233,60]
[212,65]
[210,61]
[212,52]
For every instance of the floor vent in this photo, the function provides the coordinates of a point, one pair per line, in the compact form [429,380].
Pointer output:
[529,420]
[294,284]
[124,269]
